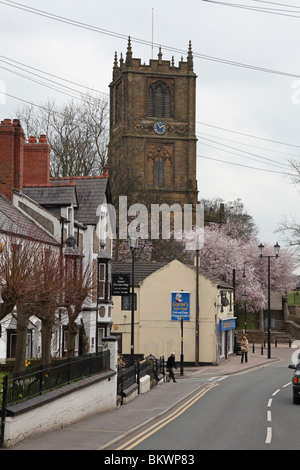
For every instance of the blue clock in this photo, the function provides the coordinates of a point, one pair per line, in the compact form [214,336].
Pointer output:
[159,128]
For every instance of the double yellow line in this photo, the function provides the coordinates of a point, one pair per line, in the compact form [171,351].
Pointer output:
[163,422]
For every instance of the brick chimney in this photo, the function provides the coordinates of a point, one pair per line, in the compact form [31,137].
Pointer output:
[11,157]
[37,161]
[21,163]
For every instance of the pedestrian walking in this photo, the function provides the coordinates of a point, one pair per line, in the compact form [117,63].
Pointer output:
[170,365]
[245,349]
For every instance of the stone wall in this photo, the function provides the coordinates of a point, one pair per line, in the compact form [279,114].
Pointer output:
[294,310]
[254,336]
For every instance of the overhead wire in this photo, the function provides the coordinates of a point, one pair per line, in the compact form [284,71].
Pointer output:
[276,3]
[23,67]
[143,41]
[247,144]
[122,36]
[250,157]
[246,166]
[247,135]
[273,11]
[39,82]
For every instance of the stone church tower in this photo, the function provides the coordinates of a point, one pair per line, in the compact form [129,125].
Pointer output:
[152,129]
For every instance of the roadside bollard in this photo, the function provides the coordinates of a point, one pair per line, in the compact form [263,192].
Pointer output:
[275,342]
[262,350]
[290,343]
[253,348]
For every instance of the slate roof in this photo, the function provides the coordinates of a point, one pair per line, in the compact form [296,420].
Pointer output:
[61,195]
[91,194]
[143,270]
[87,193]
[12,221]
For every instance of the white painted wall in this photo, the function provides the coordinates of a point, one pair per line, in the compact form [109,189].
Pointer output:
[63,411]
[81,403]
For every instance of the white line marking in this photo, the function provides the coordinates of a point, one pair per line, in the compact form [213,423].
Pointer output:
[269,436]
[269,416]
[275,393]
[270,402]
[222,378]
[286,385]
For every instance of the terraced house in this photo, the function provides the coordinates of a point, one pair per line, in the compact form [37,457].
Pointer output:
[62,214]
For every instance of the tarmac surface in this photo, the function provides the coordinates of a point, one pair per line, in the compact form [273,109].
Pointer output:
[105,430]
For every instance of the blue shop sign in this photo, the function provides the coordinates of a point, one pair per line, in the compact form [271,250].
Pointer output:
[180,306]
[228,324]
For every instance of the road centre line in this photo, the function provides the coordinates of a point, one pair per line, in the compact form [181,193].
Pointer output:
[163,422]
[269,415]
[269,436]
[222,378]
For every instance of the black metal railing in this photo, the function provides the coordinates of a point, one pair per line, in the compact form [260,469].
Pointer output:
[16,388]
[131,375]
[39,380]
[3,388]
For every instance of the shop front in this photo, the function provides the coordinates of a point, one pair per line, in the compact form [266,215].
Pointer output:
[226,336]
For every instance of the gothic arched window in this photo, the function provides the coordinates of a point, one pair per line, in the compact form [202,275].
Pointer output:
[159,100]
[158,176]
[159,167]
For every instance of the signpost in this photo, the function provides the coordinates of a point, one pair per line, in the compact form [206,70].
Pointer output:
[120,284]
[180,306]
[180,311]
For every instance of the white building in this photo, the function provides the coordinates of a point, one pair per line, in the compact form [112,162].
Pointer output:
[57,210]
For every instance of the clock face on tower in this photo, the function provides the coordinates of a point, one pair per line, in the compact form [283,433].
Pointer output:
[159,128]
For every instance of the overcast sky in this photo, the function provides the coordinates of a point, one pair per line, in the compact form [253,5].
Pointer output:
[246,113]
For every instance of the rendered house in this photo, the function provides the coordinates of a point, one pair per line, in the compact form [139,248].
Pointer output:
[164,294]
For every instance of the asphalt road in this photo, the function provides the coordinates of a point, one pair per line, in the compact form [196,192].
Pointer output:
[246,411]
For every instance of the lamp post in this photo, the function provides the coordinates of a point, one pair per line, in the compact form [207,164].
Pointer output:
[276,255]
[197,306]
[133,244]
[245,295]
[234,282]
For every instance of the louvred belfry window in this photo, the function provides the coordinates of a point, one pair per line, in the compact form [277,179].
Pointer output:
[159,100]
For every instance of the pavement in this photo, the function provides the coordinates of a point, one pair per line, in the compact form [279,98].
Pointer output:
[105,430]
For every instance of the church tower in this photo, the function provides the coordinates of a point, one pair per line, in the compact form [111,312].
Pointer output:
[152,128]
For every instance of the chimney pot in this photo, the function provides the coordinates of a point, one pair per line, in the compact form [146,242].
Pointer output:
[43,139]
[6,122]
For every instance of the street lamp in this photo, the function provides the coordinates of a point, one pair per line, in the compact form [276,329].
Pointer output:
[133,244]
[234,282]
[276,255]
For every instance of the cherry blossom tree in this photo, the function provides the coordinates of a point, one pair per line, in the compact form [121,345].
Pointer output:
[222,251]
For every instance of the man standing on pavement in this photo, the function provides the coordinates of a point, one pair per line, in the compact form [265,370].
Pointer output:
[170,365]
